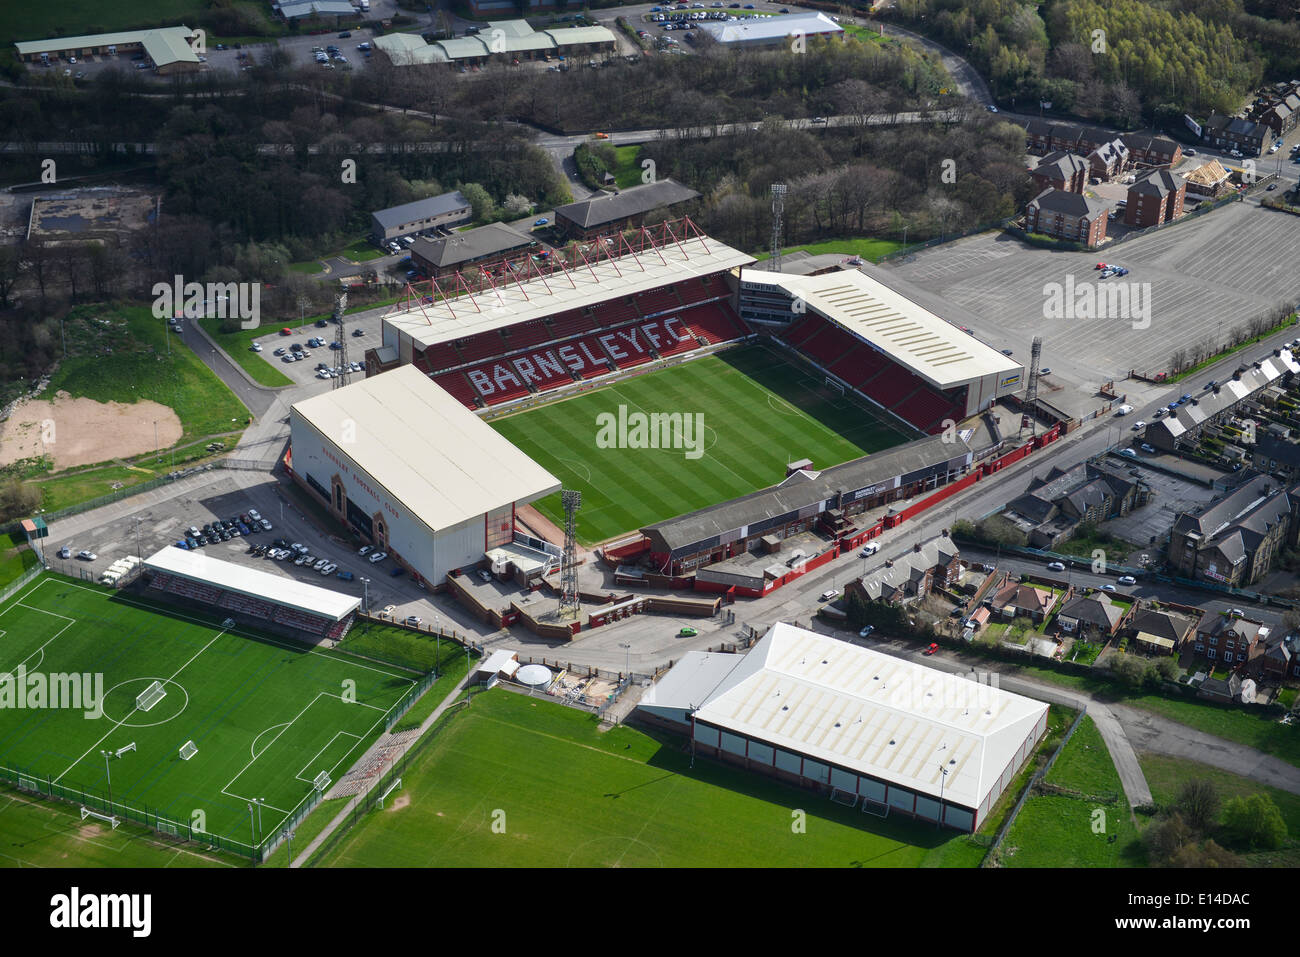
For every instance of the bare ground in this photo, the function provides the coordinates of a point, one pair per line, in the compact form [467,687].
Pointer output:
[83,432]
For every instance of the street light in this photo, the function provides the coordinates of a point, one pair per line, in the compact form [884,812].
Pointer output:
[628,648]
[365,595]
[944,771]
[108,774]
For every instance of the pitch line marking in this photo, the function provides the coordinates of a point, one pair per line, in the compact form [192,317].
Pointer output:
[243,634]
[327,744]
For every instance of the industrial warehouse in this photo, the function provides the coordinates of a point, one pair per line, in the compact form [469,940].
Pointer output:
[866,727]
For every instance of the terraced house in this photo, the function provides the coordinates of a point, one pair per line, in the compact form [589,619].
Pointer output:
[1227,639]
[1235,540]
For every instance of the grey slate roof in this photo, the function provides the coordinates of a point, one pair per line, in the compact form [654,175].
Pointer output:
[1095,609]
[613,207]
[1071,204]
[472,244]
[420,209]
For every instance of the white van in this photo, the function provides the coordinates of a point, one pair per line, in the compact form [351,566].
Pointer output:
[868,549]
[1124,410]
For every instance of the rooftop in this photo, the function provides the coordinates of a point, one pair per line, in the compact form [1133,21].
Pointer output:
[874,714]
[615,207]
[428,451]
[421,209]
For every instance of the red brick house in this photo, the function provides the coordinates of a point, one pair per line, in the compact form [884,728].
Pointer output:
[1071,216]
[1156,198]
[1061,170]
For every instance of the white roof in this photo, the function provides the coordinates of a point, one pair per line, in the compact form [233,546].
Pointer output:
[609,279]
[502,661]
[874,714]
[406,49]
[771,28]
[580,36]
[688,684]
[250,581]
[910,334]
[423,447]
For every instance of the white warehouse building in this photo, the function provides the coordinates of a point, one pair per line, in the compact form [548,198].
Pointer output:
[895,736]
[408,468]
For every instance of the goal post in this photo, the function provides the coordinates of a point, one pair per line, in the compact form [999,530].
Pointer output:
[846,798]
[150,696]
[834,385]
[188,750]
[876,808]
[106,818]
[322,781]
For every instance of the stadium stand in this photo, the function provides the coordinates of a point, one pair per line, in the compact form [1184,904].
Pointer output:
[260,610]
[714,323]
[658,301]
[526,334]
[543,369]
[482,346]
[614,313]
[459,387]
[571,323]
[697,290]
[442,356]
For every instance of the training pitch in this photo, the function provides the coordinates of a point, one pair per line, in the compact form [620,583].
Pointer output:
[268,717]
[514,781]
[751,411]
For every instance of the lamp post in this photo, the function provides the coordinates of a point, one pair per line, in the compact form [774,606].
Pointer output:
[259,802]
[108,774]
[944,771]
[365,594]
[627,647]
[252,829]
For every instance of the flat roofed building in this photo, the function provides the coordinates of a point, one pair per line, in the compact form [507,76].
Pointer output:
[570,40]
[412,470]
[829,715]
[252,583]
[409,49]
[771,31]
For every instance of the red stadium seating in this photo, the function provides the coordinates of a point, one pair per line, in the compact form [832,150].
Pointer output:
[571,323]
[695,290]
[485,345]
[615,313]
[801,330]
[542,369]
[442,356]
[459,387]
[927,409]
[827,344]
[526,334]
[714,322]
[657,301]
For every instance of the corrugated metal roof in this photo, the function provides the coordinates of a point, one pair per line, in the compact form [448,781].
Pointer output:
[874,714]
[428,451]
[252,582]
[421,209]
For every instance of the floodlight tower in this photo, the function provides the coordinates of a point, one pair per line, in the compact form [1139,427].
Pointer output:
[1031,387]
[341,379]
[778,213]
[570,605]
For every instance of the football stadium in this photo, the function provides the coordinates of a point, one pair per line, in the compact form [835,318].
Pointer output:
[737,378]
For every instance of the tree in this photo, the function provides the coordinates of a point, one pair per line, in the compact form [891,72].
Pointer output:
[479,200]
[1199,803]
[1167,668]
[1166,838]
[1255,821]
[1131,670]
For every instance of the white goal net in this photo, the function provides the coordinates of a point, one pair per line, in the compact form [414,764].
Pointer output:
[322,781]
[188,750]
[150,696]
[878,808]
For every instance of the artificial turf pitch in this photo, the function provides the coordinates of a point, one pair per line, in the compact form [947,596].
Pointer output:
[515,781]
[760,412]
[267,715]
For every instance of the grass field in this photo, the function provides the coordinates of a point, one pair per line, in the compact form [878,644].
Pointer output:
[864,247]
[267,717]
[1064,831]
[120,354]
[237,344]
[759,413]
[563,794]
[15,556]
[34,21]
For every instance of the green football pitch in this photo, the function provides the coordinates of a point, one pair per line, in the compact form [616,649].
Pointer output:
[758,410]
[514,781]
[267,717]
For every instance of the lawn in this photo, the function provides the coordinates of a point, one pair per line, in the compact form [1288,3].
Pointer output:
[267,716]
[121,354]
[76,17]
[401,646]
[759,412]
[15,557]
[72,488]
[1060,831]
[514,781]
[628,171]
[237,345]
[36,833]
[863,247]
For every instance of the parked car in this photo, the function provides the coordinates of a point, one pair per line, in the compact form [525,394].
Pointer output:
[1148,449]
[377,557]
[991,108]
[688,632]
[866,631]
[1128,453]
[1139,425]
[541,222]
[266,526]
[346,576]
[868,549]
[329,569]
[397,572]
[1056,567]
[1127,580]
[829,593]
[365,550]
[931,649]
[65,552]
[86,555]
[1108,587]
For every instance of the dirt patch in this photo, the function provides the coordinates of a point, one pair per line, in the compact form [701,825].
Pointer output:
[89,831]
[83,432]
[399,802]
